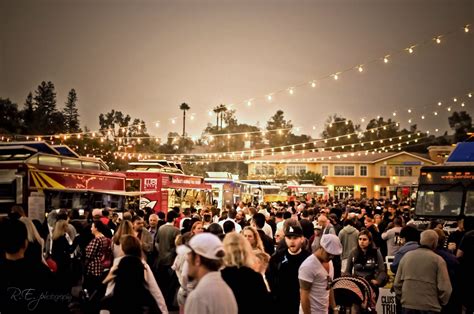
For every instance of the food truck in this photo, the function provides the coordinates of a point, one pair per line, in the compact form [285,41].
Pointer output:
[163,185]
[41,177]
[447,191]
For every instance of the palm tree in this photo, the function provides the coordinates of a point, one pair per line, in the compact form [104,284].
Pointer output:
[184,106]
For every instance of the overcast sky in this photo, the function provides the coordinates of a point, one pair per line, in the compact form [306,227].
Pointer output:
[145,58]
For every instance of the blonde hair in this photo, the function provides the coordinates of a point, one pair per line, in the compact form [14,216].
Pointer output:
[60,229]
[125,227]
[258,240]
[238,251]
[33,234]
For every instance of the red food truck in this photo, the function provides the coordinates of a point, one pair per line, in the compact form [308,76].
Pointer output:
[42,177]
[163,185]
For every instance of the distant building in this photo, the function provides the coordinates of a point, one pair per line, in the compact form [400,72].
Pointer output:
[348,174]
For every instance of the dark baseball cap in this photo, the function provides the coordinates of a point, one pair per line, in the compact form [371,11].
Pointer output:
[293,231]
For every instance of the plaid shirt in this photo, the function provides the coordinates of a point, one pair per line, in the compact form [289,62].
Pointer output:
[94,252]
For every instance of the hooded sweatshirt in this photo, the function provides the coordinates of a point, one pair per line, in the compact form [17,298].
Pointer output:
[349,240]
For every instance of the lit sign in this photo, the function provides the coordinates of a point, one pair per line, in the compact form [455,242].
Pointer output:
[150,184]
[189,180]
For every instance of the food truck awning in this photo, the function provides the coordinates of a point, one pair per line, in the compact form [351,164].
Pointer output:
[111,192]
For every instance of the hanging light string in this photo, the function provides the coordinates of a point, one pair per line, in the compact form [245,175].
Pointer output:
[271,151]
[360,67]
[382,149]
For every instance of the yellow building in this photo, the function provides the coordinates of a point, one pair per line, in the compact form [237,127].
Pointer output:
[356,174]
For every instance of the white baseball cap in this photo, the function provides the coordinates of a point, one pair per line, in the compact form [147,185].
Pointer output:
[205,244]
[331,244]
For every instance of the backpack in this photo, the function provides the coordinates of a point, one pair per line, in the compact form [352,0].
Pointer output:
[107,256]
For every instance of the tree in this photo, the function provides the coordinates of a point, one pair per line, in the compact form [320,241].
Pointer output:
[461,123]
[317,178]
[70,113]
[27,115]
[184,106]
[48,120]
[278,122]
[9,117]
[339,133]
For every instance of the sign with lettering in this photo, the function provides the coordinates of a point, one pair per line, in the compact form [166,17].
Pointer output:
[386,303]
[344,188]
[185,180]
[150,184]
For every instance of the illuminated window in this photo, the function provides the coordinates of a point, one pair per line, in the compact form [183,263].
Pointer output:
[346,171]
[403,171]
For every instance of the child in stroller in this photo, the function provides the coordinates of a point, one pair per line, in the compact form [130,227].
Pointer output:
[354,295]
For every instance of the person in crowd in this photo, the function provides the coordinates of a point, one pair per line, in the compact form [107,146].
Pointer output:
[143,234]
[212,295]
[96,251]
[262,260]
[410,238]
[454,304]
[131,246]
[180,266]
[125,228]
[228,226]
[306,224]
[258,222]
[240,218]
[366,261]
[197,227]
[392,236]
[283,269]
[22,281]
[465,254]
[316,274]
[246,284]
[231,217]
[253,238]
[422,281]
[63,247]
[113,222]
[153,225]
[455,237]
[130,292]
[349,236]
[166,277]
[35,248]
[370,225]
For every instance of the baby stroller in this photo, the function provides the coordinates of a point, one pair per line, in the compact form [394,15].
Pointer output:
[354,295]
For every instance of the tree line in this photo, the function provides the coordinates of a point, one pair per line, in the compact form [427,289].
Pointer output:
[120,133]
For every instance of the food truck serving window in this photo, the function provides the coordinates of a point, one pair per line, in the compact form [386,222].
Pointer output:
[439,200]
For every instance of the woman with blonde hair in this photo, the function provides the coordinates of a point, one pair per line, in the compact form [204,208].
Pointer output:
[197,227]
[125,228]
[246,284]
[252,236]
[61,252]
[34,251]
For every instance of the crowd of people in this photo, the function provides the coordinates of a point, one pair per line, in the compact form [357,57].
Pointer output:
[270,258]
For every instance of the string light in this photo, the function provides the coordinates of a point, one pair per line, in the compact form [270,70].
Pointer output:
[385,59]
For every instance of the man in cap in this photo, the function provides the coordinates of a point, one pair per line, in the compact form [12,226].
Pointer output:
[212,294]
[315,276]
[422,280]
[282,274]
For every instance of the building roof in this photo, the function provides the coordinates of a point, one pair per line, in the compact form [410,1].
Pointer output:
[335,157]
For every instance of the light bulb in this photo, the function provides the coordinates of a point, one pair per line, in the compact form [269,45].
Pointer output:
[249,103]
[269,97]
[455,99]
[409,110]
[313,84]
[385,59]
[435,113]
[291,91]
[336,77]
[440,103]
[438,40]
[410,50]
[466,29]
[360,68]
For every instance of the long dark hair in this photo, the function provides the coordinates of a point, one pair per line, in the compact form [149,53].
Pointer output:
[371,249]
[131,293]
